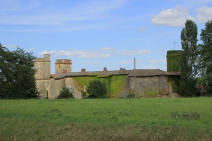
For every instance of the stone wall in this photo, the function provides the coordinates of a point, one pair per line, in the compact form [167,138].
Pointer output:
[54,87]
[150,86]
[42,86]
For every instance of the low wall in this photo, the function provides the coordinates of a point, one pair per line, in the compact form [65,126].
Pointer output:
[149,86]
[117,85]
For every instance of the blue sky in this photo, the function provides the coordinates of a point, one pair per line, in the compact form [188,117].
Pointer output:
[99,33]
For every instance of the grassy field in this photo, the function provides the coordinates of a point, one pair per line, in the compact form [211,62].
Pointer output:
[106,120]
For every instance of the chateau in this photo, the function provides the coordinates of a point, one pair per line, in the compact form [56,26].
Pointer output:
[119,83]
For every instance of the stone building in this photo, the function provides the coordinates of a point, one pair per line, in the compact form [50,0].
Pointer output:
[119,83]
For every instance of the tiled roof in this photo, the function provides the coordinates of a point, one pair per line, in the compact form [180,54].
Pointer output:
[131,73]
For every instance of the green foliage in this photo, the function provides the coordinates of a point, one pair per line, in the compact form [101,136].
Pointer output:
[173,60]
[47,95]
[175,83]
[17,74]
[131,95]
[114,83]
[189,60]
[84,94]
[96,89]
[65,93]
[205,58]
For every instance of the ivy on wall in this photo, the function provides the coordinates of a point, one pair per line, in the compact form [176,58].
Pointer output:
[115,84]
[173,60]
[175,83]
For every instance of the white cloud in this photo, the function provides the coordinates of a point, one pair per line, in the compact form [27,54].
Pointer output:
[59,29]
[127,62]
[11,46]
[142,29]
[130,62]
[127,52]
[172,17]
[159,61]
[204,14]
[31,49]
[18,5]
[100,53]
[48,14]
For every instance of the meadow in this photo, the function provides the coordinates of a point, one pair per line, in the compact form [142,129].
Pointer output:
[151,119]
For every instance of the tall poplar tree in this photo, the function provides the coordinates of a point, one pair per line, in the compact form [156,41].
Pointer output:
[189,59]
[205,59]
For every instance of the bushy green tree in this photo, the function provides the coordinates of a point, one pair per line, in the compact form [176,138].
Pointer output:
[65,93]
[189,59]
[96,89]
[205,57]
[17,74]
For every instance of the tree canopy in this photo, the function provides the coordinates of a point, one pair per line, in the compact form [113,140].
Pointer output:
[189,59]
[17,74]
[205,58]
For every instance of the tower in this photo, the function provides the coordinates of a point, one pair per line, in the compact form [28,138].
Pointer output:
[42,66]
[173,60]
[42,74]
[63,66]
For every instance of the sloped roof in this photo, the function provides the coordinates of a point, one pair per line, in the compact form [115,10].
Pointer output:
[150,72]
[130,73]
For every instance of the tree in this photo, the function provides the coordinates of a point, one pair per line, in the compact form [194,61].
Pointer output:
[65,93]
[205,58]
[96,89]
[17,74]
[189,59]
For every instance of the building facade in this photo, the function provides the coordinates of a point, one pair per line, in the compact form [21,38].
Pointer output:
[119,83]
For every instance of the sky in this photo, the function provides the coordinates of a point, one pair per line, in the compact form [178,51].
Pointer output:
[100,33]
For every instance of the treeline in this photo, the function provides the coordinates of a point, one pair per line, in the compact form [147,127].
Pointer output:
[17,74]
[196,61]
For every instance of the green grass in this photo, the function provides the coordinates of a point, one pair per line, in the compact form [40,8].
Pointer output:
[106,119]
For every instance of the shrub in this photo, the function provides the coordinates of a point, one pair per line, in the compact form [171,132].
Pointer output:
[84,94]
[65,93]
[96,89]
[131,95]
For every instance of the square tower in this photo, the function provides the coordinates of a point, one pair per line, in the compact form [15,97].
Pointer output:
[63,66]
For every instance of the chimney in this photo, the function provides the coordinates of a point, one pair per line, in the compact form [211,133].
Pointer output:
[83,70]
[105,69]
[122,70]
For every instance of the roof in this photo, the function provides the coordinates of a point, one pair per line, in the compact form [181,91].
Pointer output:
[130,73]
[150,72]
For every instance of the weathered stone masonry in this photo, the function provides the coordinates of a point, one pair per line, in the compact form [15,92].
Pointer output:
[141,82]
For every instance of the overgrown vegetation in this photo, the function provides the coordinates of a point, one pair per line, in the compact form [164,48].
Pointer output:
[65,93]
[180,119]
[173,60]
[175,83]
[114,83]
[96,89]
[17,74]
